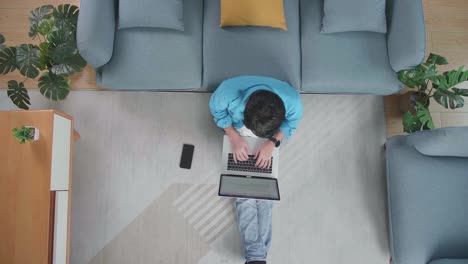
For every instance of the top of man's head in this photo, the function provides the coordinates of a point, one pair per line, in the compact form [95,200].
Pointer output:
[264,113]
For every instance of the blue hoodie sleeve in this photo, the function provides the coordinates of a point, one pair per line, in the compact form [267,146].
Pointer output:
[219,103]
[293,116]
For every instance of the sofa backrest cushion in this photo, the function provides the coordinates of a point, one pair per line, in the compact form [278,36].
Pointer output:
[446,142]
[354,15]
[449,261]
[151,13]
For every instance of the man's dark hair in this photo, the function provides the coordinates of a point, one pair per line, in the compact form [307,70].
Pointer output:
[264,113]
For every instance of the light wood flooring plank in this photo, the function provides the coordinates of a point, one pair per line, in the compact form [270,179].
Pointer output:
[31,4]
[454,119]
[14,25]
[429,46]
[453,46]
[446,15]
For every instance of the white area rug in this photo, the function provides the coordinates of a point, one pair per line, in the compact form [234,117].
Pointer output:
[132,204]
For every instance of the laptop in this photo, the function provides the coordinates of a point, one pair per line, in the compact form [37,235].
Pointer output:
[243,179]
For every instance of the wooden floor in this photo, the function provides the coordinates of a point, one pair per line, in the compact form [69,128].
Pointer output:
[447,35]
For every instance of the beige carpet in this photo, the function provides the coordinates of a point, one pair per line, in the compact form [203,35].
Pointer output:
[132,204]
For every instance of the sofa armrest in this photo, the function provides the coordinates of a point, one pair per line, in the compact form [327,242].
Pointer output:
[96,29]
[406,37]
[441,142]
[426,202]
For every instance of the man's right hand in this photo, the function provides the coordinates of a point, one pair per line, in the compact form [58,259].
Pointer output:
[240,149]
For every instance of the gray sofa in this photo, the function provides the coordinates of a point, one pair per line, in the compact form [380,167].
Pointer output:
[427,175]
[204,54]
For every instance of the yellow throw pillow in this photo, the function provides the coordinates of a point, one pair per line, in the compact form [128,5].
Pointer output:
[266,13]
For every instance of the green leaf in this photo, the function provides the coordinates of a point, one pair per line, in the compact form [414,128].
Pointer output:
[439,81]
[7,60]
[61,36]
[28,60]
[454,76]
[411,123]
[411,78]
[462,92]
[421,120]
[36,16]
[54,87]
[45,58]
[46,26]
[18,94]
[67,60]
[66,16]
[424,116]
[450,78]
[448,99]
[464,76]
[2,40]
[418,76]
[436,59]
[430,71]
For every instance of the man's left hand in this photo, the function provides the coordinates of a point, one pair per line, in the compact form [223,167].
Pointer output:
[263,155]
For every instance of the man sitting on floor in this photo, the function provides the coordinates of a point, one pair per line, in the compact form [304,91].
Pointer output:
[259,107]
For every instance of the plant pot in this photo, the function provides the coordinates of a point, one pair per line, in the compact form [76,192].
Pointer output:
[409,99]
[34,133]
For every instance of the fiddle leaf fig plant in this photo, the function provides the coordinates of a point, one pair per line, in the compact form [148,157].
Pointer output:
[428,83]
[54,60]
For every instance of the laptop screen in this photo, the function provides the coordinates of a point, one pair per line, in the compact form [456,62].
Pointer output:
[249,187]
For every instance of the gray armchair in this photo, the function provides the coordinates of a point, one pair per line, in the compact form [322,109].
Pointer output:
[427,177]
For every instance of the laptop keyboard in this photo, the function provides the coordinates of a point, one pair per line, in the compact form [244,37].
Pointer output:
[248,165]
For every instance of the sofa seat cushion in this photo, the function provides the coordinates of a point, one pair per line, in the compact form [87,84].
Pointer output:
[233,51]
[350,62]
[428,199]
[156,58]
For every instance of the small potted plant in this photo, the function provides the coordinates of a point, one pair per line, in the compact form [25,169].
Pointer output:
[427,83]
[26,133]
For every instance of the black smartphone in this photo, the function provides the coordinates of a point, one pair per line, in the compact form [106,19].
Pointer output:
[187,155]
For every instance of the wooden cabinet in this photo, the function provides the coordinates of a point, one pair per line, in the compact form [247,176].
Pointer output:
[35,188]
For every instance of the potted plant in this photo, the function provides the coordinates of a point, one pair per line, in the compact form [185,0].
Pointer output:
[26,133]
[427,83]
[55,59]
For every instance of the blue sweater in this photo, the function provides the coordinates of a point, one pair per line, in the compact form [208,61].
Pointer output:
[227,103]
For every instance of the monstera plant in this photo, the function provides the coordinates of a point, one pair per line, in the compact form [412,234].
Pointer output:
[54,59]
[426,83]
